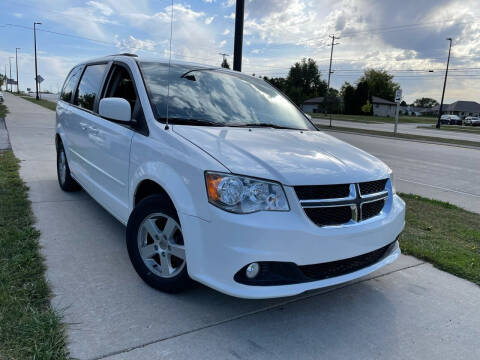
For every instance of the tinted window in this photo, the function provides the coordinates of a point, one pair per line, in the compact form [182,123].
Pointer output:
[89,86]
[121,85]
[70,84]
[218,97]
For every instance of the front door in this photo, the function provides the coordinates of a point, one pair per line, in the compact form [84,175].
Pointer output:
[110,147]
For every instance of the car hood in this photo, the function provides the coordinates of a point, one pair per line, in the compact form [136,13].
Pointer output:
[291,157]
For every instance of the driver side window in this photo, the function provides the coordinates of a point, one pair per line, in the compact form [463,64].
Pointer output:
[122,86]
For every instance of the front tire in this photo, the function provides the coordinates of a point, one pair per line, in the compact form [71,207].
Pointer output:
[65,180]
[155,245]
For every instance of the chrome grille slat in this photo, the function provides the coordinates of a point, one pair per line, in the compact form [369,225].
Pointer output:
[355,200]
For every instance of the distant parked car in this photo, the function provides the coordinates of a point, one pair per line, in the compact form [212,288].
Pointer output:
[472,120]
[1,97]
[450,120]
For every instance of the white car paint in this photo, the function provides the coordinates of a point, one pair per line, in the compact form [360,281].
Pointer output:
[110,160]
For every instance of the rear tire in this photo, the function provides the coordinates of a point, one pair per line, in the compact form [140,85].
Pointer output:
[155,245]
[65,180]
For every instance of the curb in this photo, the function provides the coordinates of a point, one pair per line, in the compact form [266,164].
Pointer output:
[402,139]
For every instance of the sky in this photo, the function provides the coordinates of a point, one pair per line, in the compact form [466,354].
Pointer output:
[407,38]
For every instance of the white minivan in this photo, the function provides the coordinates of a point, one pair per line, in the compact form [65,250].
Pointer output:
[219,178]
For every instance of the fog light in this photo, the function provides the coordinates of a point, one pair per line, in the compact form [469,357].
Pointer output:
[252,270]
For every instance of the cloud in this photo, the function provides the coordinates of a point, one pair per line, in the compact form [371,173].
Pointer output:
[104,9]
[209,20]
[226,31]
[131,44]
[18,15]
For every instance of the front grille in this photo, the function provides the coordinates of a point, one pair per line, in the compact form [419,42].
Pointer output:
[371,187]
[285,273]
[322,191]
[372,209]
[328,216]
[328,205]
[342,267]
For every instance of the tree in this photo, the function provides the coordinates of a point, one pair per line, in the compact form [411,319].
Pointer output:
[403,103]
[380,83]
[348,93]
[367,108]
[303,81]
[225,63]
[3,80]
[425,102]
[361,96]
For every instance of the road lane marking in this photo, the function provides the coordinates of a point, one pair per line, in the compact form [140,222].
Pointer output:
[439,187]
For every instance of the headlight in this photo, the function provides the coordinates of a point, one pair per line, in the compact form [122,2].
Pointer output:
[392,180]
[241,194]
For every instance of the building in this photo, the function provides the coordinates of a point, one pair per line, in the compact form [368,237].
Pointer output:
[460,108]
[382,107]
[414,110]
[313,105]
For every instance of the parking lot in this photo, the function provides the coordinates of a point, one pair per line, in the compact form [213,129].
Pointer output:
[408,310]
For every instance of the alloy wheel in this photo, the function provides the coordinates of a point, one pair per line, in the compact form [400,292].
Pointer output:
[161,246]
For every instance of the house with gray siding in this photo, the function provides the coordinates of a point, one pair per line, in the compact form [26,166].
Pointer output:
[382,107]
[313,105]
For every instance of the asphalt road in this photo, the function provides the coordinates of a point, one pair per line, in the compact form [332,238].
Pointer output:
[408,310]
[448,173]
[406,128]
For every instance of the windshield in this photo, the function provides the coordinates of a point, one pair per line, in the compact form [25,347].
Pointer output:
[218,98]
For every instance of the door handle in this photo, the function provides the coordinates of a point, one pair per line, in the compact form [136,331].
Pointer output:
[83,126]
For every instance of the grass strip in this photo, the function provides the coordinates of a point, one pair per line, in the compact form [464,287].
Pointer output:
[3,111]
[400,135]
[376,119]
[42,102]
[29,327]
[457,128]
[444,235]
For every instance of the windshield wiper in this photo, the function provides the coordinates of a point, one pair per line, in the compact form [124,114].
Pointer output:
[197,122]
[274,126]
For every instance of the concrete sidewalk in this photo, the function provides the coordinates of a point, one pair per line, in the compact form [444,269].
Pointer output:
[408,310]
[405,128]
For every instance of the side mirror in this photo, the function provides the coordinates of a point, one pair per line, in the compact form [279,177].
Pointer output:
[117,109]
[308,116]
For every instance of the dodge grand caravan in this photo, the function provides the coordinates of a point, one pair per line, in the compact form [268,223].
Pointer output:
[219,178]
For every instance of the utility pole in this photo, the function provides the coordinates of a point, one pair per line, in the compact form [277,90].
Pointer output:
[238,44]
[16,66]
[11,85]
[35,44]
[224,55]
[330,69]
[440,110]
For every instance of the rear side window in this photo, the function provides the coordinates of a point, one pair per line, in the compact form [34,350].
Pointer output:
[70,84]
[89,86]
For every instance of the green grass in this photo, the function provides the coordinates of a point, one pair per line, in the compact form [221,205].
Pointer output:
[45,103]
[3,111]
[29,327]
[457,128]
[400,135]
[443,234]
[377,119]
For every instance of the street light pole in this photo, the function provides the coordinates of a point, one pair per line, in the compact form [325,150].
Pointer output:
[16,66]
[444,85]
[10,61]
[238,43]
[35,45]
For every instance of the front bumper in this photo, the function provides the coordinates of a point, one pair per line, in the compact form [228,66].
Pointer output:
[218,249]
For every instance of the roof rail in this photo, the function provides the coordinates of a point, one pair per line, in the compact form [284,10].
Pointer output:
[125,54]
